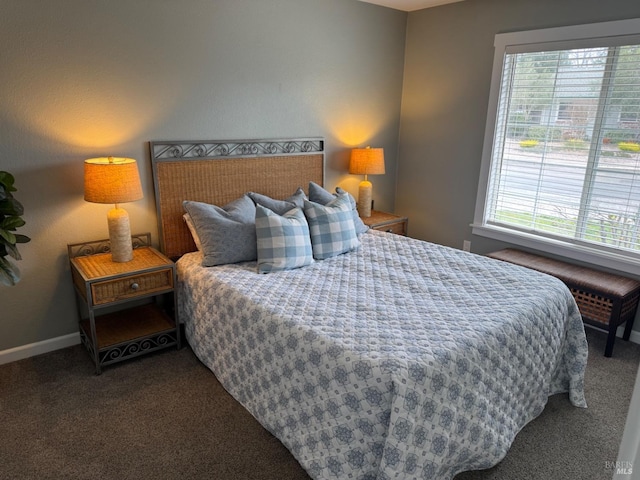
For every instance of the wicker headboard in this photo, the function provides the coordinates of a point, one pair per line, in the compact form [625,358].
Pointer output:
[218,172]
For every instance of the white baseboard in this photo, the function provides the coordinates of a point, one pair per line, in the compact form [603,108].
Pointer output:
[38,348]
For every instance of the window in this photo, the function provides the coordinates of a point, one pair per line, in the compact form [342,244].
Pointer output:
[568,175]
[629,115]
[564,111]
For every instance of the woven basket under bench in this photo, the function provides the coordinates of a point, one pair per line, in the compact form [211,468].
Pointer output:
[605,300]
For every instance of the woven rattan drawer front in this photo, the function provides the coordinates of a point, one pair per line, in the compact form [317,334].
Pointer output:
[398,228]
[131,286]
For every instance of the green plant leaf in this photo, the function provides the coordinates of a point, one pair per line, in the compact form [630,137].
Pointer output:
[7,180]
[13,251]
[7,236]
[12,222]
[22,238]
[11,206]
[9,273]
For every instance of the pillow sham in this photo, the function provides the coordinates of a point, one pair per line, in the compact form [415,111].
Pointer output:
[283,241]
[331,227]
[280,206]
[227,234]
[192,229]
[319,195]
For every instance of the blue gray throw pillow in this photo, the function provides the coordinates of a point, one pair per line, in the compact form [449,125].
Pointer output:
[319,195]
[331,227]
[283,241]
[227,234]
[280,206]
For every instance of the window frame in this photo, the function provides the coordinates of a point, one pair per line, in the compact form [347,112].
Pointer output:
[534,40]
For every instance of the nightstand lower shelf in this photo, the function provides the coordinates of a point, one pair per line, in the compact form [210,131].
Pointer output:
[129,333]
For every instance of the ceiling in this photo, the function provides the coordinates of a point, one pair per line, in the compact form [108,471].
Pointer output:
[410,5]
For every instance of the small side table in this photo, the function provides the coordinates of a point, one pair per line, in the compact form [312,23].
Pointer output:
[128,332]
[387,222]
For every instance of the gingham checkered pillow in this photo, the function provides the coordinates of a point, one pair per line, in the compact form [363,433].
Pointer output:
[283,240]
[331,227]
[320,195]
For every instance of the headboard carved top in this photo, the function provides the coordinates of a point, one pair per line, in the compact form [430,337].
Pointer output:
[234,148]
[217,172]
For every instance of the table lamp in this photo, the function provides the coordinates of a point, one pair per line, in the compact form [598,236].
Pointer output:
[366,161]
[114,180]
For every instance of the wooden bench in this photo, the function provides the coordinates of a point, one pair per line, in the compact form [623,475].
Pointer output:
[604,300]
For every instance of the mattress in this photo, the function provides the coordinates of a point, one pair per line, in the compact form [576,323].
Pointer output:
[401,359]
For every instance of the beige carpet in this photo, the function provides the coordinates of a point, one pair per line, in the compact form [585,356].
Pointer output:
[165,416]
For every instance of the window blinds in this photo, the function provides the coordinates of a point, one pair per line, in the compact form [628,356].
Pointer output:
[566,150]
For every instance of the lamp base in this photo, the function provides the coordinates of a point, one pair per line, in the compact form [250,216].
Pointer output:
[120,235]
[365,191]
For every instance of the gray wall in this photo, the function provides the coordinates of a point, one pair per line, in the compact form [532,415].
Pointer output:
[448,62]
[86,78]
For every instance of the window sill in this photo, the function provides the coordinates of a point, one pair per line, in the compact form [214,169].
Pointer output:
[591,256]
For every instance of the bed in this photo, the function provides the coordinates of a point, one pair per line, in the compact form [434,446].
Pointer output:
[398,359]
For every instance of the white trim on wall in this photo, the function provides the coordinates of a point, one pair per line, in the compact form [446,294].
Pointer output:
[626,466]
[38,348]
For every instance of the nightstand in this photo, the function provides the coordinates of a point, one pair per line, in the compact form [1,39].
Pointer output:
[125,309]
[387,222]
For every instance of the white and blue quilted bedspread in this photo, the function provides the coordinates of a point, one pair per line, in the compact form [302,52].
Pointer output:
[402,359]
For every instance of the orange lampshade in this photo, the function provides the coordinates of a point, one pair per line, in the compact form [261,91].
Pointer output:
[111,180]
[114,180]
[367,161]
